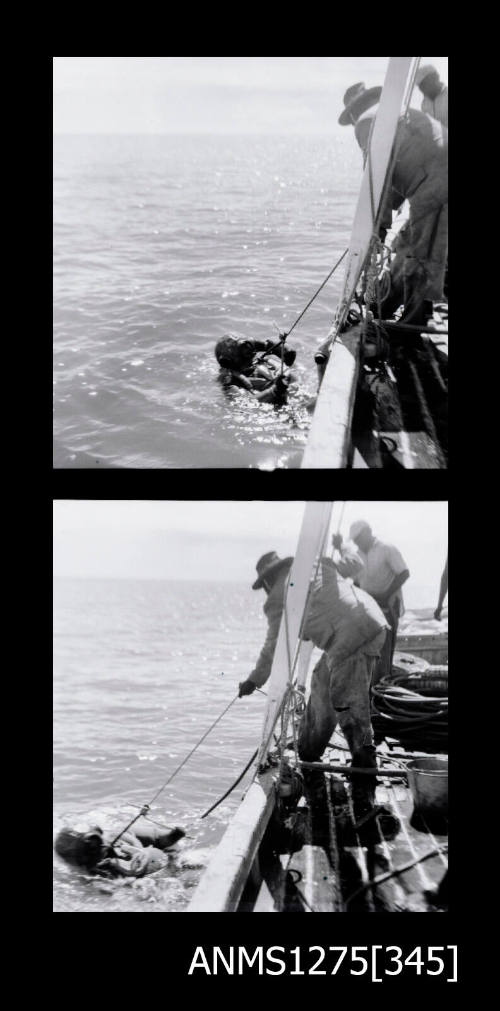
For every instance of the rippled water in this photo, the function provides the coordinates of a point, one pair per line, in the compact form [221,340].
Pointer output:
[161,245]
[141,670]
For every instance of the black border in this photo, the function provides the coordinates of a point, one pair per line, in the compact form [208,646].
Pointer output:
[167,952]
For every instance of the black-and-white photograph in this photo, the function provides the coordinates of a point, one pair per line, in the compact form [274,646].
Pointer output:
[250,262]
[250,706]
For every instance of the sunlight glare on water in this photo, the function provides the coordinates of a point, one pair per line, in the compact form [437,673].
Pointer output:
[161,245]
[141,670]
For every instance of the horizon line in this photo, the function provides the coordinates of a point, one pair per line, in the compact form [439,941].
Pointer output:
[155,579]
[188,133]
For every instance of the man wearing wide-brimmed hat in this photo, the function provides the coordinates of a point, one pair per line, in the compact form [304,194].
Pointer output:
[358,100]
[349,627]
[435,93]
[419,174]
[272,575]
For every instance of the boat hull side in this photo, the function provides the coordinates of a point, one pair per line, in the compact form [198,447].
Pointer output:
[223,881]
[329,443]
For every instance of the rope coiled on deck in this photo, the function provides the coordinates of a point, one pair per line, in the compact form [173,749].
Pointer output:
[405,714]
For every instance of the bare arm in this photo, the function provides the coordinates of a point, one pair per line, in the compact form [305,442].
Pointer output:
[443,590]
[397,582]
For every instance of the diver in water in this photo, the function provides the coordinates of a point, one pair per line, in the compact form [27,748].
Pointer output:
[256,366]
[135,854]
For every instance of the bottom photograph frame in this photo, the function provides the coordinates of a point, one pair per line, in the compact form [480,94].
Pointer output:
[173,791]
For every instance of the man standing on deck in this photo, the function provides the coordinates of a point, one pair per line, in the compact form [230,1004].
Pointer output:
[383,574]
[435,103]
[420,175]
[350,628]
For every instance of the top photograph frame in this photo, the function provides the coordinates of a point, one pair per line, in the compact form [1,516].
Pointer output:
[241,280]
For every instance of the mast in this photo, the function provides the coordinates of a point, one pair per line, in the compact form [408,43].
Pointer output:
[328,440]
[289,655]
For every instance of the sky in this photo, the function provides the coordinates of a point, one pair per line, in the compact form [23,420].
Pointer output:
[211,94]
[222,540]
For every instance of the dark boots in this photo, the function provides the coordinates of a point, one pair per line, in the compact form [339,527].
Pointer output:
[315,793]
[363,787]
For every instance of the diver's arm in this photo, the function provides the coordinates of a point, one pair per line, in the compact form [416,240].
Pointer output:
[274,393]
[262,345]
[289,355]
[229,378]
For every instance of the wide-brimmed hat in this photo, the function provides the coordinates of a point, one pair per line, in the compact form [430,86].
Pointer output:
[268,565]
[356,99]
[423,72]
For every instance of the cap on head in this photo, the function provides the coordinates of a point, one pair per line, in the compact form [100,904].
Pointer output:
[357,528]
[424,72]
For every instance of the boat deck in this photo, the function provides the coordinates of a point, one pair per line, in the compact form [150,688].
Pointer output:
[335,871]
[383,399]
[400,413]
[278,855]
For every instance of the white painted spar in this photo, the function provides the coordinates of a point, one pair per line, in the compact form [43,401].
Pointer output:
[237,855]
[304,663]
[328,444]
[311,545]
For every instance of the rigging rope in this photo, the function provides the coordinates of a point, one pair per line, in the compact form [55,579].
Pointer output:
[322,285]
[283,336]
[437,851]
[401,713]
[146,807]
[231,788]
[293,703]
[291,668]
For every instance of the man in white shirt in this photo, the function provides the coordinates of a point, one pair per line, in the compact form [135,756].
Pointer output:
[384,573]
[435,94]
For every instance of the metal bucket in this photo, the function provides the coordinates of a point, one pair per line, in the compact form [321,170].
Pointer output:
[428,781]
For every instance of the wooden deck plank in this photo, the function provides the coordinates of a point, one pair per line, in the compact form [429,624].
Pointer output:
[318,885]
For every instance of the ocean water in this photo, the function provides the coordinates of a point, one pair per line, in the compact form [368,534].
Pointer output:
[161,245]
[141,670]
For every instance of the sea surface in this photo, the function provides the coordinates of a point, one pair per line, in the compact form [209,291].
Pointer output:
[162,244]
[142,668]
